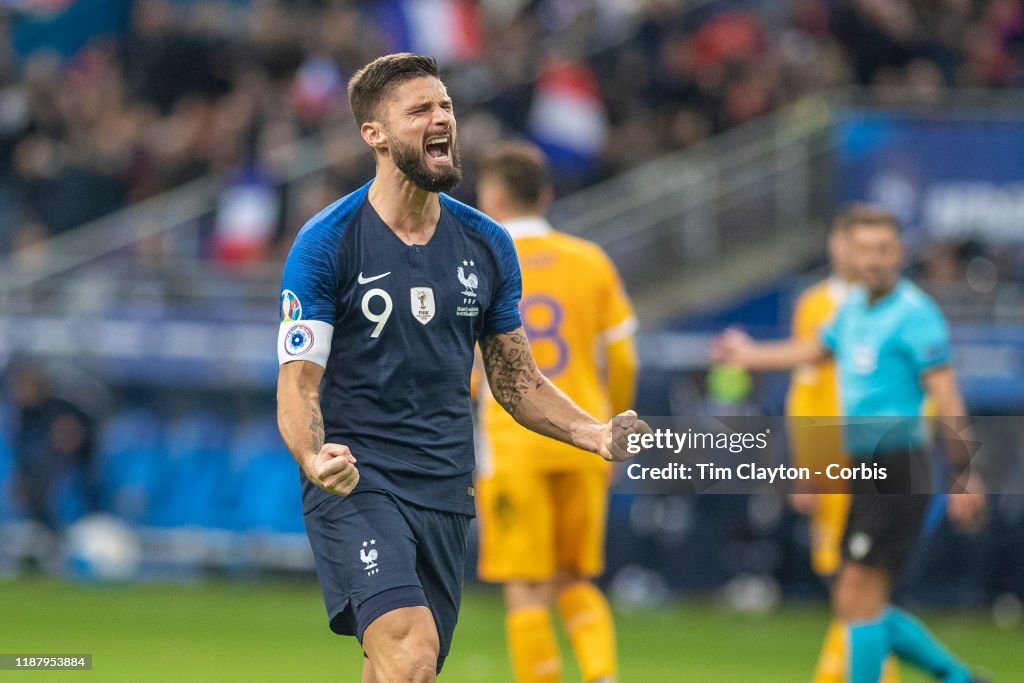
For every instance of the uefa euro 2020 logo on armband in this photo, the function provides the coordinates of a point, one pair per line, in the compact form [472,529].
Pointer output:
[291,307]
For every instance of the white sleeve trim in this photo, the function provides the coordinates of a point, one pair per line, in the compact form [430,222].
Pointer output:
[304,340]
[627,328]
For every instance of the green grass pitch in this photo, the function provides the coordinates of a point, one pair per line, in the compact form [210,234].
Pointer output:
[274,632]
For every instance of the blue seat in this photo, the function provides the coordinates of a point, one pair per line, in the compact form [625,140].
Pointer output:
[195,468]
[266,482]
[133,429]
[67,497]
[8,509]
[129,464]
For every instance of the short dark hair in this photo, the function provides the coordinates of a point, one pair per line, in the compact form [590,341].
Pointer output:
[520,167]
[372,84]
[863,213]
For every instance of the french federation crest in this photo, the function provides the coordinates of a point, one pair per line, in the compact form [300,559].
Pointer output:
[422,301]
[470,281]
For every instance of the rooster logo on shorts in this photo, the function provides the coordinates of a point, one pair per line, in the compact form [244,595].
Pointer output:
[369,557]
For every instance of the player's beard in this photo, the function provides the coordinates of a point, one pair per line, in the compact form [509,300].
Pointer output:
[409,161]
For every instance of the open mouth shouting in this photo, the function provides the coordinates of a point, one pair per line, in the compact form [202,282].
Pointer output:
[433,167]
[439,147]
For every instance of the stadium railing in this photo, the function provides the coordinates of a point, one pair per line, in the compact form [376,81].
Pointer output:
[753,185]
[688,231]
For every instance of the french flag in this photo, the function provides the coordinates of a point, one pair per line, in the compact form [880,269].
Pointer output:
[567,117]
[246,218]
[447,30]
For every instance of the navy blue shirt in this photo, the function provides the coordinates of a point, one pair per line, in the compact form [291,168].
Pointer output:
[395,326]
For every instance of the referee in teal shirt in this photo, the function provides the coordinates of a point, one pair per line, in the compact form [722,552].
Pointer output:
[891,346]
[885,347]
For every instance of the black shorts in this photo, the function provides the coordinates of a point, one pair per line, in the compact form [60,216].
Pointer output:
[376,553]
[886,516]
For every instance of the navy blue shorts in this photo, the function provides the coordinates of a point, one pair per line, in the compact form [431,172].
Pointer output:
[376,553]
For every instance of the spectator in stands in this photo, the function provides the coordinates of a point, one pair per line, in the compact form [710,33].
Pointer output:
[194,88]
[53,444]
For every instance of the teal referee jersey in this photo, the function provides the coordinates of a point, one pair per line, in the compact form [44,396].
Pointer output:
[881,350]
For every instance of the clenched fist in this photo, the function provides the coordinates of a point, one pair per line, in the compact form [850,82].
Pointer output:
[616,435]
[334,469]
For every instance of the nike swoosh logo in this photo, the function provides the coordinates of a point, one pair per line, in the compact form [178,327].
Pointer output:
[363,280]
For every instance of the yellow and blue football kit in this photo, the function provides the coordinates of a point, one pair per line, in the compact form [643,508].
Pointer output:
[542,503]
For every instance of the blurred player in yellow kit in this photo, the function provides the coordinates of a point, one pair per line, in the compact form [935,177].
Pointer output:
[542,507]
[814,391]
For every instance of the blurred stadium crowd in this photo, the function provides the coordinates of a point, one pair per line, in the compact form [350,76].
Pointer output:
[166,91]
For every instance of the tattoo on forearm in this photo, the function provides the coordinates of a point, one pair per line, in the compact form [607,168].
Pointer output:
[510,368]
[316,426]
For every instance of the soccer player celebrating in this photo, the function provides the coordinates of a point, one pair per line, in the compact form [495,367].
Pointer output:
[891,346]
[814,391]
[386,292]
[543,507]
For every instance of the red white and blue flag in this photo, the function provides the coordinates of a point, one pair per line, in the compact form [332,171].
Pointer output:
[567,116]
[447,30]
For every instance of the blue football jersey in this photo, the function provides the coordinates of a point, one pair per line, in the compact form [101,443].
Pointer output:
[394,325]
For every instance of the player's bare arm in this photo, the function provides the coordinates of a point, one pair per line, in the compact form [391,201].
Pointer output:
[537,404]
[965,508]
[736,347]
[330,466]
